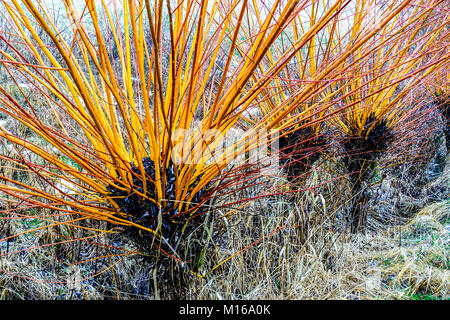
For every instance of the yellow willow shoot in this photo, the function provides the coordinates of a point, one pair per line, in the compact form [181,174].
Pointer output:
[438,83]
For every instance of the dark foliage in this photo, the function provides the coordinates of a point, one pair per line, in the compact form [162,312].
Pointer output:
[175,227]
[143,211]
[361,153]
[364,149]
[298,151]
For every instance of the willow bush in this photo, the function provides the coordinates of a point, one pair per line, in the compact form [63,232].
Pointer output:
[375,99]
[122,141]
[348,87]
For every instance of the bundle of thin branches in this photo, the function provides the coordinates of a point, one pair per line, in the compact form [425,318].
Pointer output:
[376,98]
[356,75]
[137,101]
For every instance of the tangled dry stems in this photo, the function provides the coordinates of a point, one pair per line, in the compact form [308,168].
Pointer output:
[400,262]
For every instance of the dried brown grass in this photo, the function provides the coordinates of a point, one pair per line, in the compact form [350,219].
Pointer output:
[404,261]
